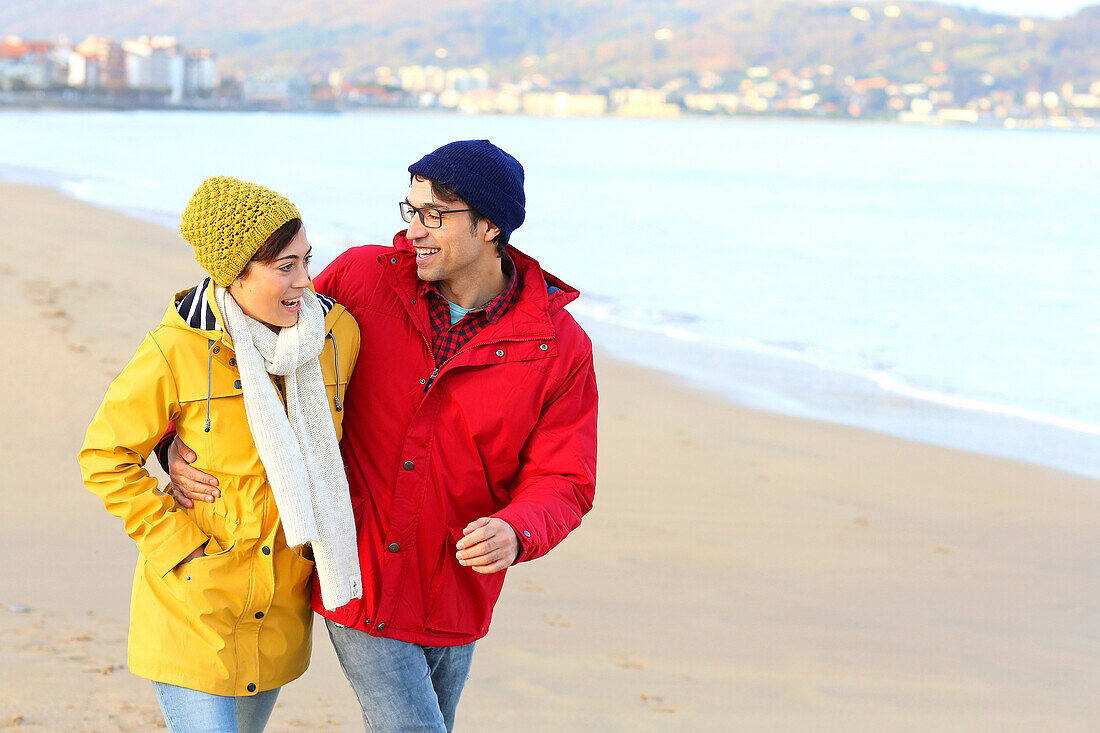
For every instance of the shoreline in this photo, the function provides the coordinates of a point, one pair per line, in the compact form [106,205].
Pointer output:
[1007,123]
[739,565]
[769,379]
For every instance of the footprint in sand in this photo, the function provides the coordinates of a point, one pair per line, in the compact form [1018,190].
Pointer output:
[40,292]
[627,662]
[302,724]
[93,286]
[657,704]
[105,669]
[556,619]
[529,586]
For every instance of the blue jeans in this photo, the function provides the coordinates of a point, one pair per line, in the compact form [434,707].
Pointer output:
[402,687]
[190,711]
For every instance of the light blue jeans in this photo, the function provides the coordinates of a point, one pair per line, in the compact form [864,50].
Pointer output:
[191,711]
[402,687]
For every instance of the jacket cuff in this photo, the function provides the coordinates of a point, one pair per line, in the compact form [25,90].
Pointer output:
[161,450]
[523,535]
[519,541]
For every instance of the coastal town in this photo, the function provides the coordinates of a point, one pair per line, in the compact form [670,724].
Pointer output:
[158,72]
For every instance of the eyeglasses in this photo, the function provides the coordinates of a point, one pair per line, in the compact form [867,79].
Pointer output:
[429,217]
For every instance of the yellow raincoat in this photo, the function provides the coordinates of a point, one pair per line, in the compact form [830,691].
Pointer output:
[237,621]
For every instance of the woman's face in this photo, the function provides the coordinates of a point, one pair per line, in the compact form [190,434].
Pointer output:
[271,292]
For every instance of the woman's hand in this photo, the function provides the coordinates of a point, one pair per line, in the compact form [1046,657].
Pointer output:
[200,552]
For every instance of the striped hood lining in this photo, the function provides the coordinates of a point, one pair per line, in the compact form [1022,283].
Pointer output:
[195,310]
[194,307]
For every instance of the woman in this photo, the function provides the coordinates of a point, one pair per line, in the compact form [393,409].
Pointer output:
[250,368]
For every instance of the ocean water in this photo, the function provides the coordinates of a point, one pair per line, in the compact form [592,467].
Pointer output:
[938,284]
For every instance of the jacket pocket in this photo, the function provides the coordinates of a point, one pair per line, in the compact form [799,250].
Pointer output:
[436,580]
[215,523]
[227,447]
[461,599]
[213,587]
[221,539]
[220,543]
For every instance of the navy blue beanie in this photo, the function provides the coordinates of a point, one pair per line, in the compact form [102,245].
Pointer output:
[486,178]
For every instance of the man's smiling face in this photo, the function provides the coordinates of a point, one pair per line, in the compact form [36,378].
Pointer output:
[456,252]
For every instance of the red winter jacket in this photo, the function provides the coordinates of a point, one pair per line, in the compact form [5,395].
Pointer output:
[507,428]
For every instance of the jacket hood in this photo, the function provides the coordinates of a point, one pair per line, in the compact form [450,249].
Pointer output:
[558,293]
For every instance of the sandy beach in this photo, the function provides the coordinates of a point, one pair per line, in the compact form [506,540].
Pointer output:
[740,570]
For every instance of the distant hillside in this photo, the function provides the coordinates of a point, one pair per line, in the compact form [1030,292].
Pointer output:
[591,43]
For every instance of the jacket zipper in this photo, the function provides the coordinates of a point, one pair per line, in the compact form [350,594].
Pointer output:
[435,371]
[431,379]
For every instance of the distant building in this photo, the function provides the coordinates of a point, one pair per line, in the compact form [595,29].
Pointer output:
[563,104]
[384,75]
[27,64]
[155,64]
[416,79]
[642,103]
[200,72]
[709,102]
[465,80]
[109,58]
[1085,101]
[82,71]
[271,90]
[958,115]
[874,82]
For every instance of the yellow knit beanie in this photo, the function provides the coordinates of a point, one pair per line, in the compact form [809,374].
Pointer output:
[228,220]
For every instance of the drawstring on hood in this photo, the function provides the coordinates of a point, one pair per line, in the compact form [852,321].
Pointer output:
[336,363]
[209,379]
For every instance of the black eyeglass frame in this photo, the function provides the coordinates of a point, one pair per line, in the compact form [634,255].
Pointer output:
[407,211]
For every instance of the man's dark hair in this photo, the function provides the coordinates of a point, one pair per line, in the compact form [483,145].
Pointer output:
[448,195]
[274,245]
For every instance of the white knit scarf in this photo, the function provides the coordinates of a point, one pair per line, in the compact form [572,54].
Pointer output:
[298,447]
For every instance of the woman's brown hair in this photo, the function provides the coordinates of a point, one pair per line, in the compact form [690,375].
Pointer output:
[274,245]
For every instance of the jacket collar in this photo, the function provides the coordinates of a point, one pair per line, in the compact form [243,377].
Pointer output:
[541,294]
[198,309]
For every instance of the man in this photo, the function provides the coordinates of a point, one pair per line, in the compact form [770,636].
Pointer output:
[469,434]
